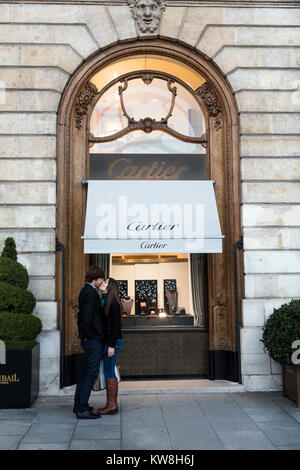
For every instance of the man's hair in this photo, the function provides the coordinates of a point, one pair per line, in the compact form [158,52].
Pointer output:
[93,273]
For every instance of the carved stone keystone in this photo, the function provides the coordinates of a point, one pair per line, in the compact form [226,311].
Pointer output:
[147,14]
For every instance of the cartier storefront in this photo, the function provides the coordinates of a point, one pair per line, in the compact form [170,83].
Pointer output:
[147,130]
[159,139]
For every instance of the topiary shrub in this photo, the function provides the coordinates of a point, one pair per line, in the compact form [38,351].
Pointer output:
[16,300]
[13,272]
[19,331]
[9,250]
[280,331]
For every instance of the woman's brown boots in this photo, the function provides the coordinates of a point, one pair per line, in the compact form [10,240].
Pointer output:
[111,406]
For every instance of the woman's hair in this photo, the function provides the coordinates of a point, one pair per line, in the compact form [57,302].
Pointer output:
[112,294]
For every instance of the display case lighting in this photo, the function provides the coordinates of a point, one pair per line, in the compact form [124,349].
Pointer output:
[162,314]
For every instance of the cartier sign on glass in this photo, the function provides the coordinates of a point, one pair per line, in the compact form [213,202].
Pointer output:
[147,167]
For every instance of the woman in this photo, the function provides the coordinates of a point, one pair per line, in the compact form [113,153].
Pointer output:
[114,342]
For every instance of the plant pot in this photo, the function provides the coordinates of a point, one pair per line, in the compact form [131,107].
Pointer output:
[291,383]
[19,378]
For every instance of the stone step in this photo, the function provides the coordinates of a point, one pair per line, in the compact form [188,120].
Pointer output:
[150,387]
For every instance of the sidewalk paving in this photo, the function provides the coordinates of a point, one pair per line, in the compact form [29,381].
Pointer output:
[252,420]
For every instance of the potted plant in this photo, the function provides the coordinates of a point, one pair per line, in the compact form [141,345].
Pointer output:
[19,374]
[280,332]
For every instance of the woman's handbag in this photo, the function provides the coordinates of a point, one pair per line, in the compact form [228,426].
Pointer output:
[117,373]
[96,386]
[99,383]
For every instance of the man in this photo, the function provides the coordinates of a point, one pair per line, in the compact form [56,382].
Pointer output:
[91,334]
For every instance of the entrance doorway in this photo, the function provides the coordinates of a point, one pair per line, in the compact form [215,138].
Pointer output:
[164,334]
[168,143]
[106,113]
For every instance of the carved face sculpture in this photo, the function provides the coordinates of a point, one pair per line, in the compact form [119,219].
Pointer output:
[147,14]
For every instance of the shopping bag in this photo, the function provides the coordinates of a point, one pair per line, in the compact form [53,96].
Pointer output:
[117,373]
[99,383]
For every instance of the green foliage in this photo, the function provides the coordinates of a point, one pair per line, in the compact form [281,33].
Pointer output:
[13,272]
[9,250]
[280,330]
[19,331]
[16,300]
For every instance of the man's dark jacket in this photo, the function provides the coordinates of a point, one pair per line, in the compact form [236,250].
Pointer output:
[89,321]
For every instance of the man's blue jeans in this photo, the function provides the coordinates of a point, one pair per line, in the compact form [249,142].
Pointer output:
[93,351]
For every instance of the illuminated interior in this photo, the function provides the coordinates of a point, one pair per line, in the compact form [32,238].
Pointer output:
[148,62]
[136,267]
[152,100]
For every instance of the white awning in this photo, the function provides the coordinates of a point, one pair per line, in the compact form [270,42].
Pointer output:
[152,217]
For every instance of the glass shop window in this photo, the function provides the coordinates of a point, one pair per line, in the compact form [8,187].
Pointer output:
[144,114]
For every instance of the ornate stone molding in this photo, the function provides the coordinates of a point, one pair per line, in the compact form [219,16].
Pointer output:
[148,78]
[147,14]
[83,101]
[220,312]
[76,346]
[211,102]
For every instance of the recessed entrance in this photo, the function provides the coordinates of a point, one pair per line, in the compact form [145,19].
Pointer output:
[188,111]
[165,320]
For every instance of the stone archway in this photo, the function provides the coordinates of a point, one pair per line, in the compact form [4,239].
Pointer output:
[223,166]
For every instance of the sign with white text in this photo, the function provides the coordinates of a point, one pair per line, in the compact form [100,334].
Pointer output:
[152,217]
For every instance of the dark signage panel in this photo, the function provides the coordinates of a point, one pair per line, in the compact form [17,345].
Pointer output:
[147,167]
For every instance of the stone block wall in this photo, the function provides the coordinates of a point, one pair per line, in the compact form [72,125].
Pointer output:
[257,49]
